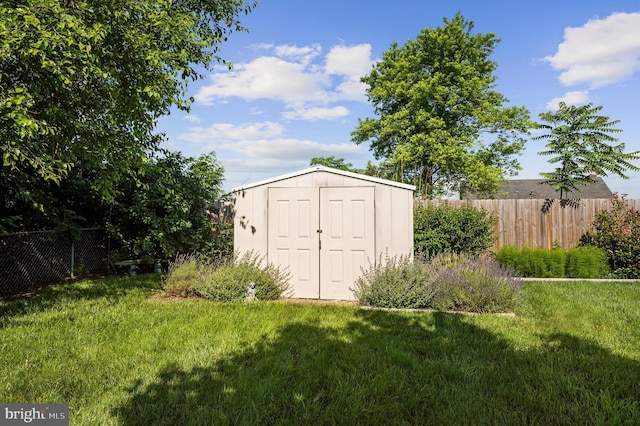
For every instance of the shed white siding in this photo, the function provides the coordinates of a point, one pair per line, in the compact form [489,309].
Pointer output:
[324,225]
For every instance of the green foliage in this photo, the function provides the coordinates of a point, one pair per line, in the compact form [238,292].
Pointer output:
[28,203]
[539,262]
[617,233]
[445,282]
[447,260]
[556,261]
[384,169]
[441,125]
[478,285]
[587,262]
[184,277]
[225,279]
[464,230]
[218,239]
[82,84]
[398,282]
[334,163]
[228,281]
[536,262]
[162,208]
[580,143]
[510,257]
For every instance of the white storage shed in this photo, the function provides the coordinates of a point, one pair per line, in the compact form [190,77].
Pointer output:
[324,225]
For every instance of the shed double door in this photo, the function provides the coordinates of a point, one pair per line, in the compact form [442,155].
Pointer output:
[324,236]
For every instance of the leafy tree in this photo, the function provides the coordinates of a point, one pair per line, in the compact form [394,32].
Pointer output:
[381,170]
[30,203]
[82,83]
[441,124]
[168,207]
[335,163]
[580,142]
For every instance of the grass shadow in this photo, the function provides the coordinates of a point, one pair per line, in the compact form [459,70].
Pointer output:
[111,290]
[394,368]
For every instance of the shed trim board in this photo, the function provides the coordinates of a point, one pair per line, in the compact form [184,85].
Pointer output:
[324,226]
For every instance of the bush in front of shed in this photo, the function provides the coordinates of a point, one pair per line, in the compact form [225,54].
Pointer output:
[399,282]
[185,276]
[445,282]
[229,280]
[478,285]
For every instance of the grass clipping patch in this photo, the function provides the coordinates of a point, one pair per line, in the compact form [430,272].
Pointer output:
[227,280]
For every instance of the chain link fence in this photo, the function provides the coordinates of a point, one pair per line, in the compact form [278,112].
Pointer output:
[30,260]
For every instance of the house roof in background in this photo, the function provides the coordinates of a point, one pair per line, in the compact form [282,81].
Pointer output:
[536,189]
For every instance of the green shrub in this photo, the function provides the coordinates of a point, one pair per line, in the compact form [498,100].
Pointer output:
[535,262]
[185,276]
[447,260]
[440,229]
[556,261]
[538,262]
[521,260]
[445,282]
[398,282]
[617,233]
[545,263]
[228,281]
[219,234]
[587,262]
[479,285]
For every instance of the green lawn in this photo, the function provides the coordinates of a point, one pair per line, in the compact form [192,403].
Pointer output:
[571,355]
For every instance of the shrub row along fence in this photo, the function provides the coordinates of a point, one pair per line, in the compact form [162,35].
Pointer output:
[521,222]
[29,260]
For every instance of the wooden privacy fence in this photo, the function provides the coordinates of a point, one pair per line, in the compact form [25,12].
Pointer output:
[521,222]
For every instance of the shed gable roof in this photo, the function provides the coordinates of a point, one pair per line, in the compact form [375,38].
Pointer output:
[316,169]
[537,189]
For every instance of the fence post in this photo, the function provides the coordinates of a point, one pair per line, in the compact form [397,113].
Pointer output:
[72,258]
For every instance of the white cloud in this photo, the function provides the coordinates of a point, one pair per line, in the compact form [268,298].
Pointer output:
[578,97]
[192,118]
[263,140]
[225,132]
[266,77]
[349,60]
[352,89]
[295,77]
[261,46]
[303,55]
[315,113]
[289,149]
[601,52]
[255,166]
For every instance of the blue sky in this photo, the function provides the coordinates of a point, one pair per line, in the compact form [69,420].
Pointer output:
[294,92]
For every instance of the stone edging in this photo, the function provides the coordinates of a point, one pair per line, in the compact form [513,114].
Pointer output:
[498,314]
[593,280]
